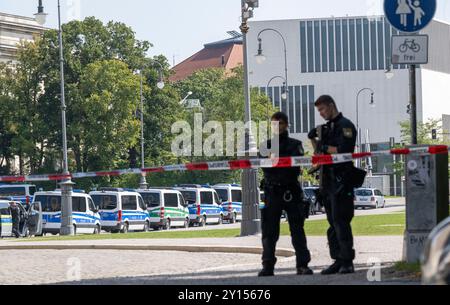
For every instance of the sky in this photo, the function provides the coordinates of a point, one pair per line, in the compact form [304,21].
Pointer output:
[179,28]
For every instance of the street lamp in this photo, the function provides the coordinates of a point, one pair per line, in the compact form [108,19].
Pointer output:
[160,85]
[67,185]
[185,99]
[283,95]
[261,58]
[372,104]
[40,16]
[251,224]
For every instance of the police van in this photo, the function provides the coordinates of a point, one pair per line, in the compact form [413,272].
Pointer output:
[167,208]
[231,196]
[121,210]
[203,203]
[5,219]
[85,217]
[18,192]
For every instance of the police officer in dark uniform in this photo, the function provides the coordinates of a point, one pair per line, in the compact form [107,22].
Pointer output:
[337,136]
[15,215]
[283,192]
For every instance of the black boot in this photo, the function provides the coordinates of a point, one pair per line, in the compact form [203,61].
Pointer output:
[347,268]
[333,269]
[267,270]
[304,271]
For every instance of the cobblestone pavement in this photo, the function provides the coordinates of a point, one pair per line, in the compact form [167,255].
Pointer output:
[181,268]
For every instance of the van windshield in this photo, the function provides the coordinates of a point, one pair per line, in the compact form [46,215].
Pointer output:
[223,194]
[189,196]
[49,203]
[152,200]
[12,191]
[105,202]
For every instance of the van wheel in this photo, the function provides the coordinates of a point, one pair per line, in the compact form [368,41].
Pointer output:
[97,230]
[146,226]
[186,223]
[125,228]
[168,225]
[233,218]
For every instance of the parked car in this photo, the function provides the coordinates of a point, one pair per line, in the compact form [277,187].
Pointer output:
[231,196]
[436,256]
[18,192]
[204,204]
[167,208]
[369,198]
[85,216]
[311,196]
[29,221]
[121,210]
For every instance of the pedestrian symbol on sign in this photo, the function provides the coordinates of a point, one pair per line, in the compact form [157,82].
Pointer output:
[410,15]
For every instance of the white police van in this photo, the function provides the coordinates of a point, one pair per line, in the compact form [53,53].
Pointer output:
[121,210]
[166,207]
[203,203]
[18,192]
[85,217]
[231,196]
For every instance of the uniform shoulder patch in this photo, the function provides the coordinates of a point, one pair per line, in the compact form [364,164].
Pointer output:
[348,132]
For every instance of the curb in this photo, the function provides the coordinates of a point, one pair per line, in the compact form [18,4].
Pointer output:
[193,249]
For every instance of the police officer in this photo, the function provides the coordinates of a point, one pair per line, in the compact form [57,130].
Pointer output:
[283,192]
[15,215]
[337,136]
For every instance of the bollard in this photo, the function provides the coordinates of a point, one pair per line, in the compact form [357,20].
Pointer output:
[427,200]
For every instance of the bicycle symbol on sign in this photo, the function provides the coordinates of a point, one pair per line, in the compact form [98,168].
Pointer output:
[409,44]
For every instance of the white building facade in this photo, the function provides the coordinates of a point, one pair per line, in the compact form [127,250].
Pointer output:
[341,56]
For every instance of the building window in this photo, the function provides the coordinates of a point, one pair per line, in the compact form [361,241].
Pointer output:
[380,33]
[373,48]
[298,110]
[331,49]
[291,109]
[303,53]
[283,101]
[359,44]
[312,118]
[310,46]
[366,44]
[352,39]
[324,46]
[387,42]
[276,97]
[317,46]
[345,52]
[305,108]
[338,46]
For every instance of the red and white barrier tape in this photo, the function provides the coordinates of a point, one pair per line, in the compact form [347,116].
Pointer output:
[237,164]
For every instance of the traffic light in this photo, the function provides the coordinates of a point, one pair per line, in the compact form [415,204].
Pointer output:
[434,134]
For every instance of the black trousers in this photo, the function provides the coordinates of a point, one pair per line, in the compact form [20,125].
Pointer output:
[270,221]
[340,211]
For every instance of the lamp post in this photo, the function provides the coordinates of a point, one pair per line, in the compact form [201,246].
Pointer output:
[143,181]
[283,96]
[67,185]
[372,103]
[260,58]
[251,224]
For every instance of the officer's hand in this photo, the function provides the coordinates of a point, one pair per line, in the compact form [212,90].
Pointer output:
[313,134]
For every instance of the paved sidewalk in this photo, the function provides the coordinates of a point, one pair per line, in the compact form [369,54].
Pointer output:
[178,267]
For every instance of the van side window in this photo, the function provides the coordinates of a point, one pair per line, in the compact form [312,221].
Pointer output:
[181,200]
[171,200]
[129,203]
[91,205]
[13,191]
[79,204]
[206,198]
[236,195]
[216,198]
[32,190]
[152,200]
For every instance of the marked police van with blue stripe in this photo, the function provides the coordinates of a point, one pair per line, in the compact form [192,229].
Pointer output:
[6,222]
[203,203]
[231,196]
[85,217]
[23,193]
[121,210]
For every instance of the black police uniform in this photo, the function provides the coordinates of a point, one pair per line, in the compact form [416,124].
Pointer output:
[283,192]
[15,215]
[337,194]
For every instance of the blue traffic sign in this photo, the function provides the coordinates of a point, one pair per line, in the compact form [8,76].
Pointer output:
[410,15]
